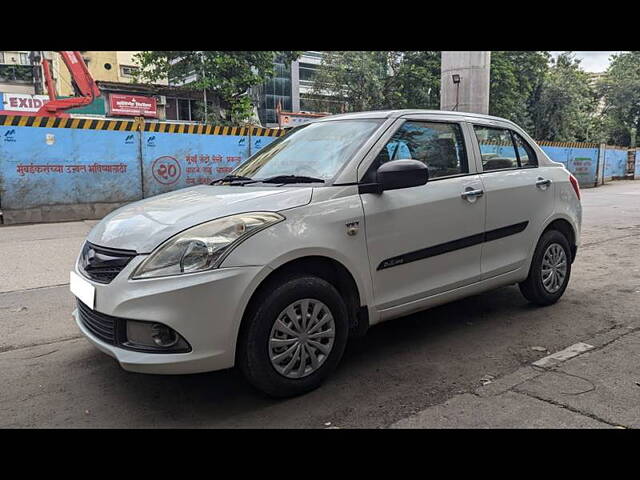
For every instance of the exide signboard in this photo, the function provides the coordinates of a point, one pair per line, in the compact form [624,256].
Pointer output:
[21,102]
[132,105]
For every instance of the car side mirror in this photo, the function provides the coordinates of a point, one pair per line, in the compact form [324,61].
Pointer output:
[402,174]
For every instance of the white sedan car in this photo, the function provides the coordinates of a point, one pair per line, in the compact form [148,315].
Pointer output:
[341,224]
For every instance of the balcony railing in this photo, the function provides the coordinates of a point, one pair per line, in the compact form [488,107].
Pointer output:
[16,73]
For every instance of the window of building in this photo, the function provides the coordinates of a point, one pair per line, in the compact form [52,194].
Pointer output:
[24,59]
[307,72]
[171,109]
[496,148]
[273,91]
[16,73]
[1,57]
[183,109]
[440,146]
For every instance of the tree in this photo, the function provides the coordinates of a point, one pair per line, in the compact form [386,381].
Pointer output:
[226,76]
[565,108]
[418,81]
[374,80]
[620,90]
[515,81]
[355,79]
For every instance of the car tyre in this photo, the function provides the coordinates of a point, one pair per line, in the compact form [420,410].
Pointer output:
[285,300]
[552,256]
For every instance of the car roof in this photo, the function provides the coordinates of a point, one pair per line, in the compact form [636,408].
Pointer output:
[400,113]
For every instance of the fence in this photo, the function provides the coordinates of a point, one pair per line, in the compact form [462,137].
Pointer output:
[70,169]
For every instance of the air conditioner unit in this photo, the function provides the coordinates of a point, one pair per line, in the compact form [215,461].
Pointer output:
[161,99]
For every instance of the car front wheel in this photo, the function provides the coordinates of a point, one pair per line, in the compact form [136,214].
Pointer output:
[295,336]
[550,269]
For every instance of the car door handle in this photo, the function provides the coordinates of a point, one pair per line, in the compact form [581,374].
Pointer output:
[542,182]
[472,193]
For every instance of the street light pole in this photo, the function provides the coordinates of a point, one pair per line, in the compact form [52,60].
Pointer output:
[204,90]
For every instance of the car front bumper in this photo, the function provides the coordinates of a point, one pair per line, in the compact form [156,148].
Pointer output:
[204,308]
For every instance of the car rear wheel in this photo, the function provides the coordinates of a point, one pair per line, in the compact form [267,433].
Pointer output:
[550,269]
[295,337]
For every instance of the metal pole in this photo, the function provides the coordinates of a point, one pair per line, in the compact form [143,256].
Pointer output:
[457,96]
[205,88]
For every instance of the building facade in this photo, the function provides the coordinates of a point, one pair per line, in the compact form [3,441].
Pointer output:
[16,72]
[21,79]
[22,87]
[291,87]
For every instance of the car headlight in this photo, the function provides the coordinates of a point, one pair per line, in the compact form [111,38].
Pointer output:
[204,246]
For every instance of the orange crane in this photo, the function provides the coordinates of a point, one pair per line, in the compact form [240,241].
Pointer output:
[84,86]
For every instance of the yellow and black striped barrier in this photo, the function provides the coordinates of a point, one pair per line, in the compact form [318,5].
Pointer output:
[545,143]
[52,122]
[135,125]
[162,127]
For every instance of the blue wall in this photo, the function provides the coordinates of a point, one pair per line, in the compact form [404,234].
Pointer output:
[42,166]
[615,163]
[103,161]
[48,166]
[174,161]
[581,162]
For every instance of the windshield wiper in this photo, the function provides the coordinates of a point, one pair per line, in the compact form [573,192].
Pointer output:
[291,179]
[232,178]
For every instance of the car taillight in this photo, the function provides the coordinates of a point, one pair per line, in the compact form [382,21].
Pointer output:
[575,185]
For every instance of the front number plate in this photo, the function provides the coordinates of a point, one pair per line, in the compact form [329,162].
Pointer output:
[82,289]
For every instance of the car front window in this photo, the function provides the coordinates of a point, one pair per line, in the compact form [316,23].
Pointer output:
[316,150]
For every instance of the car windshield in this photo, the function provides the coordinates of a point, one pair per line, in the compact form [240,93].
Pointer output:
[315,150]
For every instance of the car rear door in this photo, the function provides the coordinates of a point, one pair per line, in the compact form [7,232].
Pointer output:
[519,197]
[424,240]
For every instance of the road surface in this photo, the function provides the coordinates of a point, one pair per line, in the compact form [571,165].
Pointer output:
[52,377]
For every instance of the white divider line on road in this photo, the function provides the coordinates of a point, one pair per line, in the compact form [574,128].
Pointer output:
[563,355]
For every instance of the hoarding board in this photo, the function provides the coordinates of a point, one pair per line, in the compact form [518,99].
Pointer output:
[132,105]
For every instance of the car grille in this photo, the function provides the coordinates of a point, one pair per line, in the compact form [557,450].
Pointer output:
[102,264]
[100,325]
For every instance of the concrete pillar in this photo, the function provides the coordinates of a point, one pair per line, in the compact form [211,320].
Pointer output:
[602,151]
[295,86]
[471,94]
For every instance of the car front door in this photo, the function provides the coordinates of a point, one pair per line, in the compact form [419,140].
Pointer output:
[424,240]
[519,197]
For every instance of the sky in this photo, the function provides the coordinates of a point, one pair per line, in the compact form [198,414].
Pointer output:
[592,61]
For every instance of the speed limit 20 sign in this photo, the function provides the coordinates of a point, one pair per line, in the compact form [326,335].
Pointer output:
[166,170]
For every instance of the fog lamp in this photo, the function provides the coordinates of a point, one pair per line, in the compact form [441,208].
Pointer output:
[163,336]
[151,336]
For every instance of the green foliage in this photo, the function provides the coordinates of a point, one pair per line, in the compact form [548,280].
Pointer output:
[225,75]
[375,80]
[554,100]
[515,82]
[620,90]
[417,81]
[565,108]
